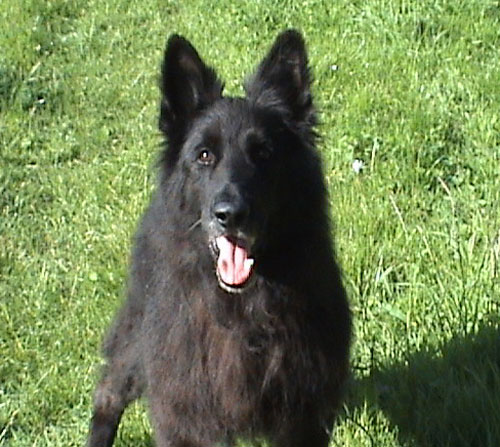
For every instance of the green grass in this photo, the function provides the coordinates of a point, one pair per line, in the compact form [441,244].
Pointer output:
[416,96]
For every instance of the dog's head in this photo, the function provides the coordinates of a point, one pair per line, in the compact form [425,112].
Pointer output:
[237,162]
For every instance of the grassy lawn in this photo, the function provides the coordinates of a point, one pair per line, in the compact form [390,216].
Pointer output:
[412,89]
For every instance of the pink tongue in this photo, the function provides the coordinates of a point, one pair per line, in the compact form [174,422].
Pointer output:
[234,266]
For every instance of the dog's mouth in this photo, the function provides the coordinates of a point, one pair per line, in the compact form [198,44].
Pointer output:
[234,265]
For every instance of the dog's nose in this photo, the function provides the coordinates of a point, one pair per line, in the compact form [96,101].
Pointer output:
[229,214]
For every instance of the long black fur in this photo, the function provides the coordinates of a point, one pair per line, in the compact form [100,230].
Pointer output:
[264,361]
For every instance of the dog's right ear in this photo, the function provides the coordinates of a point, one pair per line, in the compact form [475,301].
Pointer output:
[187,86]
[283,80]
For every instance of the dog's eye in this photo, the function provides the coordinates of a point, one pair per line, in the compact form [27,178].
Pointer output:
[206,157]
[260,153]
[264,153]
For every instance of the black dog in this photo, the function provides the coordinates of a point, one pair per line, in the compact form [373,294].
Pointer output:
[236,323]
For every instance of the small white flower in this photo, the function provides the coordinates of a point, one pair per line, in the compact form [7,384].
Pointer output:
[358,165]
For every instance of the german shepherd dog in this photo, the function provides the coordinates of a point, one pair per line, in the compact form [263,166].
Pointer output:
[236,324]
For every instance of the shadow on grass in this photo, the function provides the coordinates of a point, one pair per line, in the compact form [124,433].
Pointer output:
[449,397]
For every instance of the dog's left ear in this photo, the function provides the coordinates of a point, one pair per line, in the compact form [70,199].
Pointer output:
[187,86]
[283,81]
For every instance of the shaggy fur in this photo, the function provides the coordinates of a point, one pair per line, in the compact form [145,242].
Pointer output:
[236,323]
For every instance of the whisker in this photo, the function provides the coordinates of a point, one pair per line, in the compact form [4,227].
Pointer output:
[193,226]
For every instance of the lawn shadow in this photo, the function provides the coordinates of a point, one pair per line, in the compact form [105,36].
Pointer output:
[449,397]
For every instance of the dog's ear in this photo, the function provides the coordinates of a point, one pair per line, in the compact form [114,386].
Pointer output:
[187,86]
[283,80]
